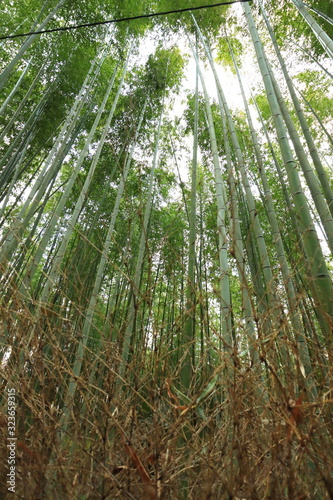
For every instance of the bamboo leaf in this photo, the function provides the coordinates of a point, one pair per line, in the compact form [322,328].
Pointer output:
[199,411]
[182,396]
[208,389]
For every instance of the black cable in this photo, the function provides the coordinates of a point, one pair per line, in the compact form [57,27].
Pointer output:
[143,16]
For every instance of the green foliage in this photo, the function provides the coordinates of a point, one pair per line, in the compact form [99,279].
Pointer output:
[317,90]
[164,70]
[210,19]
[262,103]
[289,25]
[224,55]
[203,135]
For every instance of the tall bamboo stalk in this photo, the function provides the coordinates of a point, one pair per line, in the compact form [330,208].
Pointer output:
[189,337]
[323,38]
[29,41]
[51,166]
[320,280]
[80,352]
[280,252]
[129,339]
[82,197]
[327,190]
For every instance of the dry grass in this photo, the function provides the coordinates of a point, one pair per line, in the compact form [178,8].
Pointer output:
[137,440]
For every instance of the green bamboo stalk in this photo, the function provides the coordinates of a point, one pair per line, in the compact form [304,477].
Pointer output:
[322,37]
[275,307]
[320,278]
[235,229]
[280,253]
[14,179]
[82,197]
[21,137]
[51,168]
[186,373]
[321,14]
[197,265]
[80,353]
[29,41]
[327,190]
[221,198]
[76,212]
[311,179]
[20,107]
[129,336]
[14,90]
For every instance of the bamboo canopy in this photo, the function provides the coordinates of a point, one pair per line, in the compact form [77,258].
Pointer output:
[166,228]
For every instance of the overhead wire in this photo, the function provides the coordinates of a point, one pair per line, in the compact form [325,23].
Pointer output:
[122,19]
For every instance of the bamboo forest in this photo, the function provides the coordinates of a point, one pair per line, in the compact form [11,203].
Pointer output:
[166,228]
